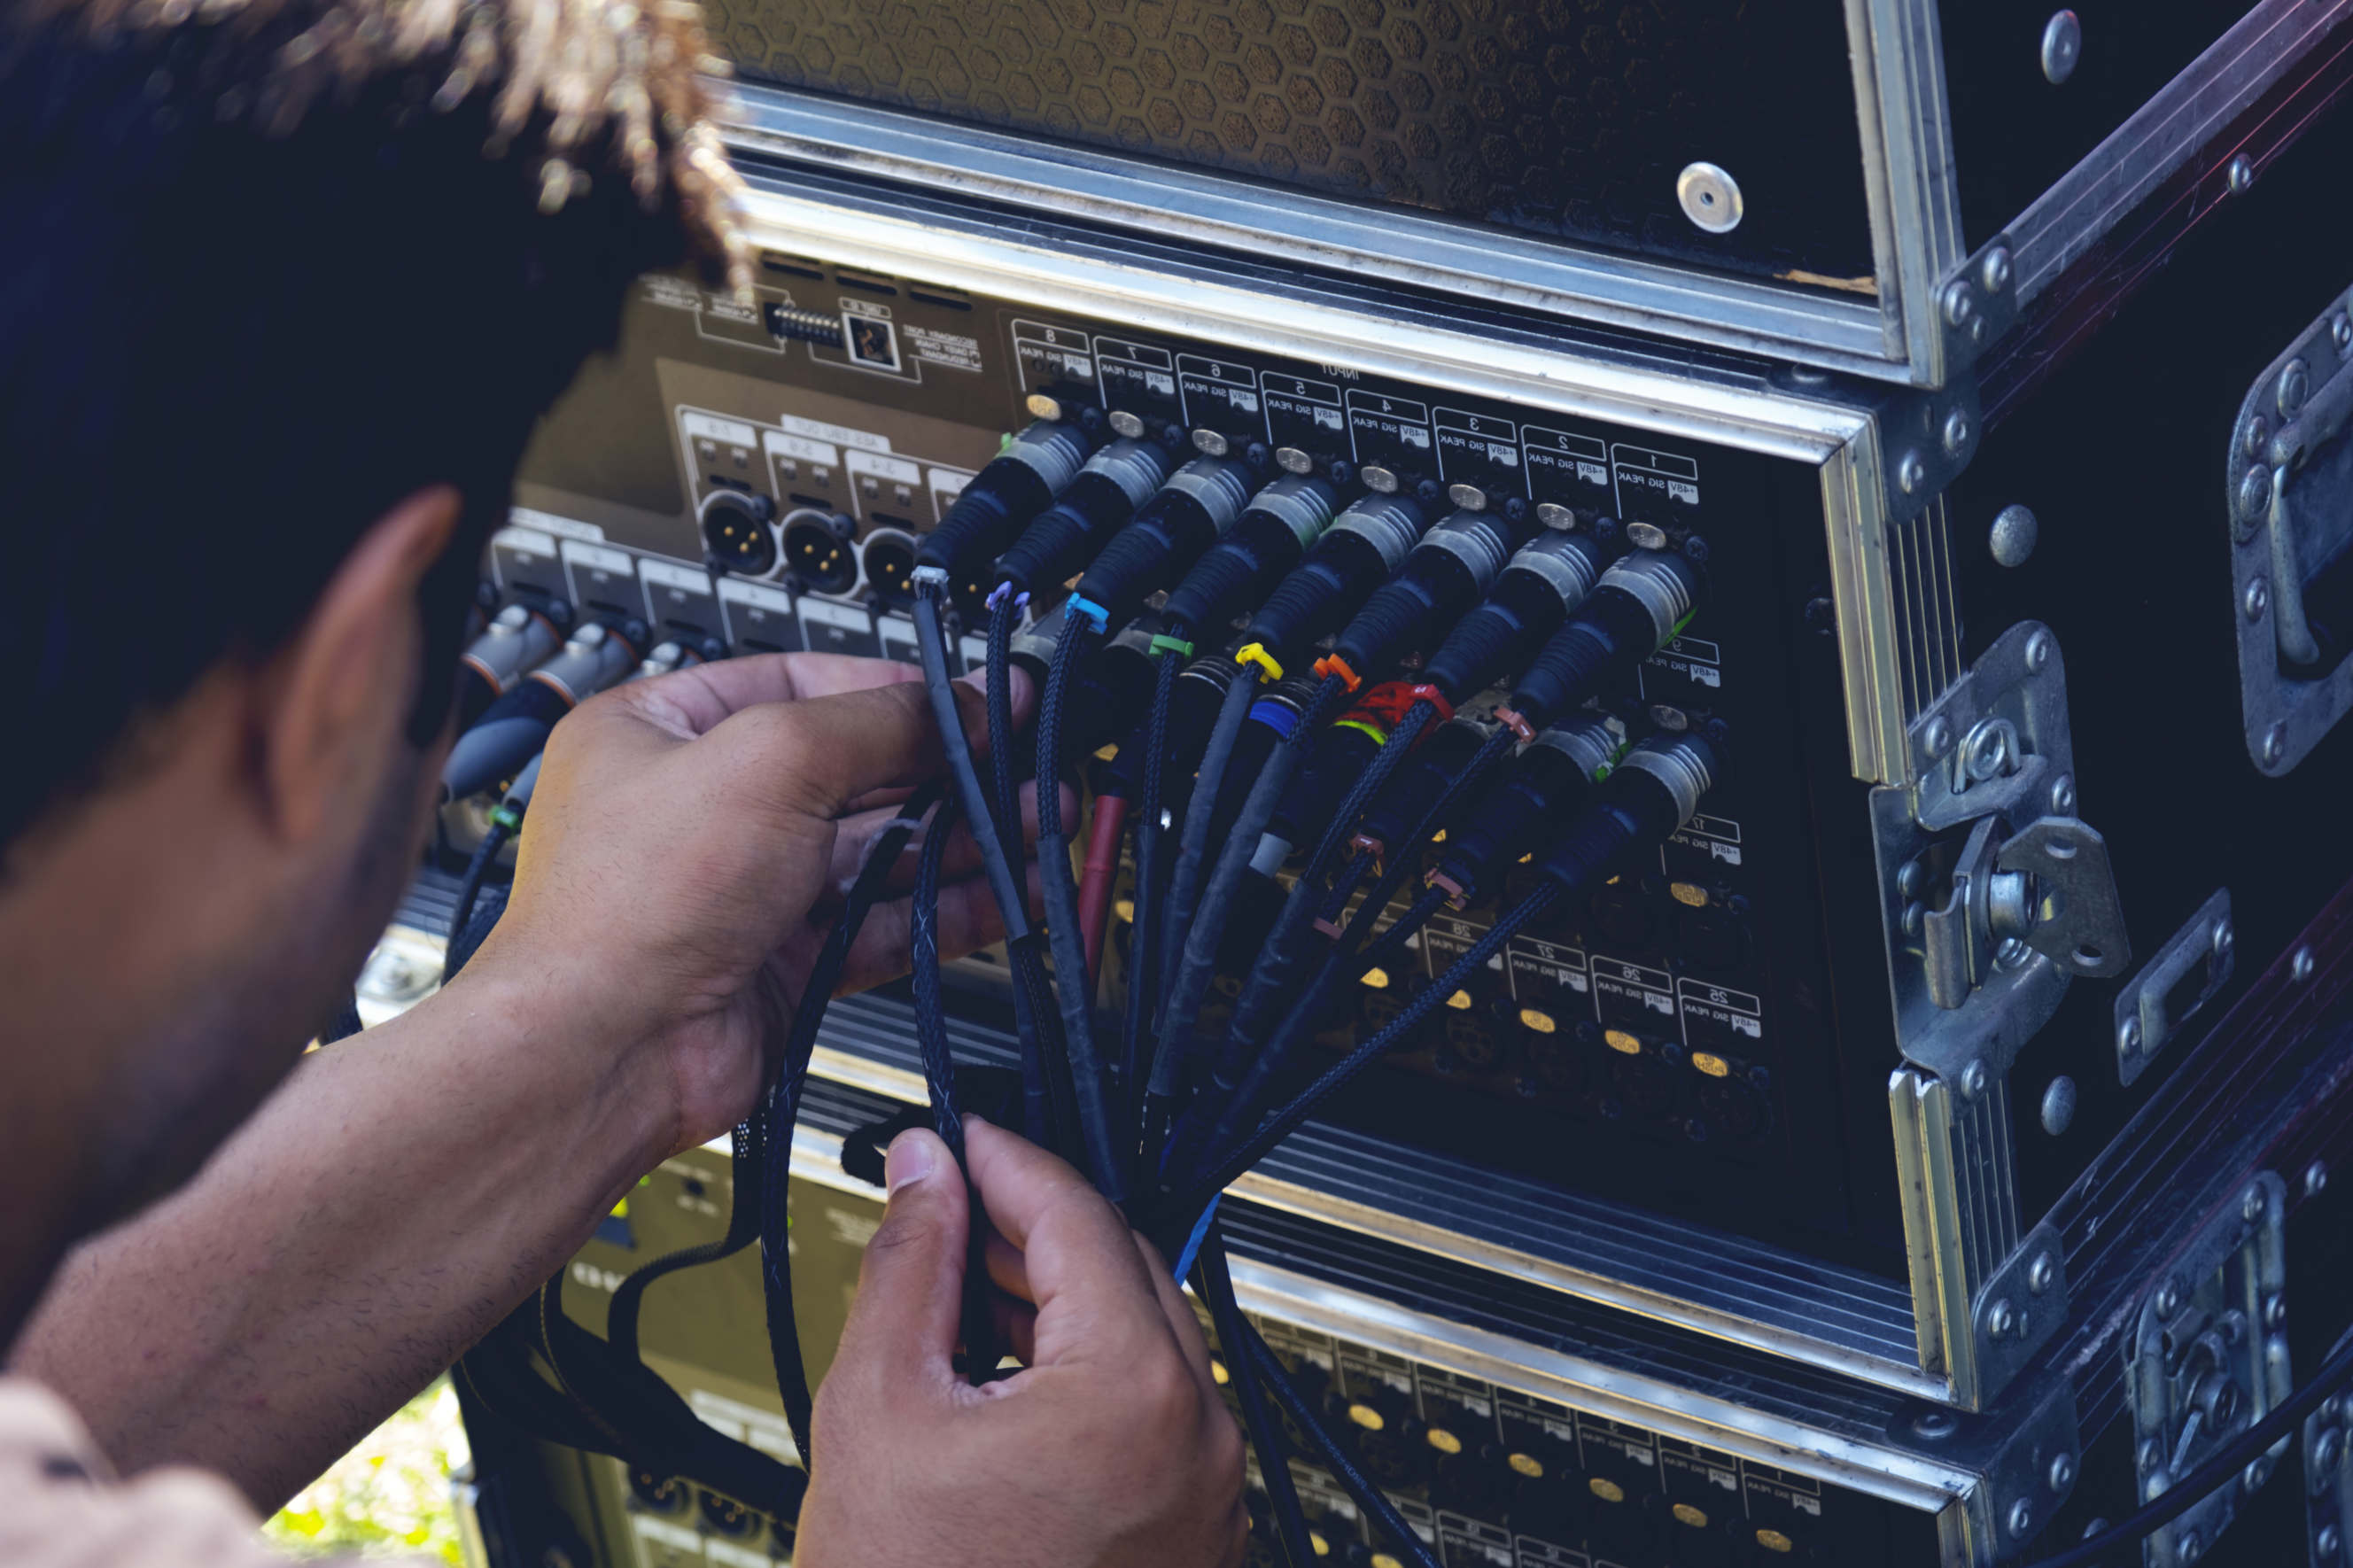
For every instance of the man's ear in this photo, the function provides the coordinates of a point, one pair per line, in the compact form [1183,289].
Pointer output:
[336,698]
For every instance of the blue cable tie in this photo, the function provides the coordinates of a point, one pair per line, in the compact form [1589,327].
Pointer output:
[1280,717]
[1081,605]
[1193,1243]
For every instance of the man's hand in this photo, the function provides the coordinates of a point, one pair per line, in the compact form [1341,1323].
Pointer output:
[1111,1446]
[684,832]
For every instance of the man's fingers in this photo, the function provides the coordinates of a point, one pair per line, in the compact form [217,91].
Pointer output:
[855,836]
[836,750]
[1006,1270]
[1084,1273]
[1181,1321]
[690,702]
[969,921]
[1017,1326]
[906,1314]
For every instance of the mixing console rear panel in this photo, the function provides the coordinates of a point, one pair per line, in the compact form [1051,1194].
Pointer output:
[1675,1047]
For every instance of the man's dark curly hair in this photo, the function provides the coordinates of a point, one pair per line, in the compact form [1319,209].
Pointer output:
[266,270]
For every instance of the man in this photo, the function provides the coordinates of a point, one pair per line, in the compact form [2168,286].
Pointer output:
[284,285]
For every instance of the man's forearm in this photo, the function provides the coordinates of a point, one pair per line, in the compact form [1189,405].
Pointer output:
[396,1197]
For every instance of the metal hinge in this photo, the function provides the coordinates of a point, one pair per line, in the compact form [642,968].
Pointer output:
[2207,1359]
[1995,893]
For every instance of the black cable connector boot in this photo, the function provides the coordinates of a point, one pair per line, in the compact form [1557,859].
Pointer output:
[1549,781]
[1441,579]
[1356,555]
[1098,502]
[1200,502]
[1638,603]
[1543,583]
[517,725]
[1015,486]
[1271,537]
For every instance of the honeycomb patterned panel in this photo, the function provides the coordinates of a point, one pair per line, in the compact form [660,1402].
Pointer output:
[1567,118]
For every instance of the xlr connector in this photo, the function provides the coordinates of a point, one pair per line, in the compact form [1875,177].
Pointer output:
[1424,776]
[1268,540]
[1540,586]
[1650,794]
[1364,545]
[517,640]
[1639,604]
[1441,579]
[1020,483]
[1549,781]
[1189,513]
[1066,535]
[515,727]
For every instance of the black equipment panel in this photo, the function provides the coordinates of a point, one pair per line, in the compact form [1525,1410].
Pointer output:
[1679,1044]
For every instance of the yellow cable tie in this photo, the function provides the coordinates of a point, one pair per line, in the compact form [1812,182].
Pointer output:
[1255,653]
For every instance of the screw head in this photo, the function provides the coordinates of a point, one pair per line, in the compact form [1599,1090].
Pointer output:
[2041,1273]
[2327,1542]
[2062,795]
[2063,1472]
[2063,47]
[1911,877]
[2258,599]
[1934,1425]
[2021,1518]
[2191,1546]
[2223,937]
[2038,649]
[2240,174]
[2011,953]
[2254,1477]
[1911,473]
[1709,197]
[1959,304]
[2299,965]
[2001,1319]
[2151,1454]
[2316,1179]
[2325,1453]
[1957,431]
[1940,736]
[2058,1115]
[1973,1080]
[2128,1037]
[2294,386]
[2014,533]
[2168,1299]
[2275,744]
[2255,495]
[2252,1205]
[1993,272]
[2275,1310]
[1916,914]
[2259,431]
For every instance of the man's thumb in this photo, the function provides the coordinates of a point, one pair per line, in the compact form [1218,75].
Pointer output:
[911,1286]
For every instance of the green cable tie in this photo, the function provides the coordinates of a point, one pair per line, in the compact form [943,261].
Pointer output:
[1161,644]
[505,817]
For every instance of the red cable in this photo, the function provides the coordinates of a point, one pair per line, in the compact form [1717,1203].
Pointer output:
[1102,868]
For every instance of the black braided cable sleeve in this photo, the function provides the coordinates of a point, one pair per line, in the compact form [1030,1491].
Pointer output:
[1362,1489]
[1104,1162]
[1288,1119]
[1214,1282]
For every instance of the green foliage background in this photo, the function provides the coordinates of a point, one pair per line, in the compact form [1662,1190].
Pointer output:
[390,1495]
